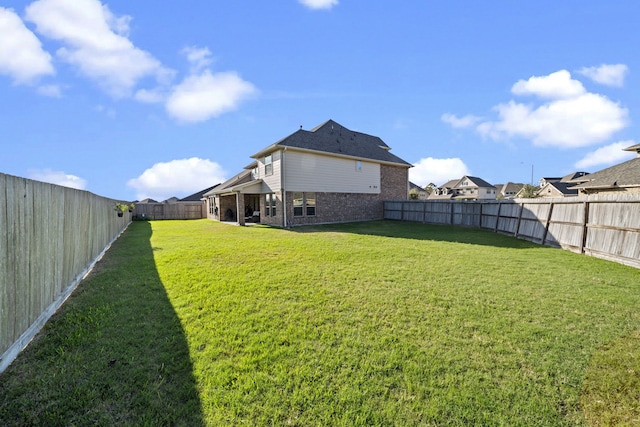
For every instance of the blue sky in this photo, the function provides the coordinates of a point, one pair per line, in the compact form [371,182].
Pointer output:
[136,99]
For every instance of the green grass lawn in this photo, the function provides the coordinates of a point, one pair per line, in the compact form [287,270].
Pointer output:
[382,323]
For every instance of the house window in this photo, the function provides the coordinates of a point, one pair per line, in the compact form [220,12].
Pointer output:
[304,204]
[298,204]
[270,204]
[358,166]
[268,165]
[310,203]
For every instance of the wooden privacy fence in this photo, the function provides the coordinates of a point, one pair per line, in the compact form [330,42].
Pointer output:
[49,238]
[605,227]
[179,210]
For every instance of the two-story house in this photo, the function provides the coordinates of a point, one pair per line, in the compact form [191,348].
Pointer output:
[474,188]
[561,187]
[465,188]
[508,191]
[328,174]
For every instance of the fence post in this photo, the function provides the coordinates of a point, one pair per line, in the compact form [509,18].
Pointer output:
[424,212]
[546,226]
[495,229]
[450,213]
[519,219]
[585,227]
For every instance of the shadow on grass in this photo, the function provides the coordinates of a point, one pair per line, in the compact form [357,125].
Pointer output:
[419,231]
[114,354]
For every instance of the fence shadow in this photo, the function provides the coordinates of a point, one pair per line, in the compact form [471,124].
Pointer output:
[419,231]
[114,354]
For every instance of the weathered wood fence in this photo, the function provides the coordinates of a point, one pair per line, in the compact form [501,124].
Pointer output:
[179,210]
[604,227]
[50,236]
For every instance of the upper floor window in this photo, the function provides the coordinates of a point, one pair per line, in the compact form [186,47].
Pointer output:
[268,165]
[358,166]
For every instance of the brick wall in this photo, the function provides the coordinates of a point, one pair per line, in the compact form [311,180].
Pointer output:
[349,207]
[394,182]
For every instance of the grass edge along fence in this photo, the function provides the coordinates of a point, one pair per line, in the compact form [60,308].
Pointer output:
[606,227]
[50,237]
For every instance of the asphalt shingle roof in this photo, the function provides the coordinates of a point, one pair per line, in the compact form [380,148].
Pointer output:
[477,181]
[566,188]
[196,197]
[331,137]
[622,175]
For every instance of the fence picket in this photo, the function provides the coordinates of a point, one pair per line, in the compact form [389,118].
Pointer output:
[49,236]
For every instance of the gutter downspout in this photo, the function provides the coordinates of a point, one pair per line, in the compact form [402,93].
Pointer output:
[283,189]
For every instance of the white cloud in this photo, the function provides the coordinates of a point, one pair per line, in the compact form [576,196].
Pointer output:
[176,178]
[199,58]
[564,114]
[319,4]
[201,97]
[58,178]
[437,171]
[21,54]
[567,123]
[95,40]
[556,85]
[605,156]
[460,122]
[606,74]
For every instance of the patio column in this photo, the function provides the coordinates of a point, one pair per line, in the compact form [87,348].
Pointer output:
[240,208]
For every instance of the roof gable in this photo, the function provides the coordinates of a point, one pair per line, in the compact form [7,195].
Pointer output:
[478,182]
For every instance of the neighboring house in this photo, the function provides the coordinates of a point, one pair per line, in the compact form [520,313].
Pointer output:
[557,189]
[544,181]
[474,188]
[508,190]
[147,201]
[575,177]
[617,179]
[465,188]
[572,177]
[561,187]
[445,191]
[326,175]
[417,192]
